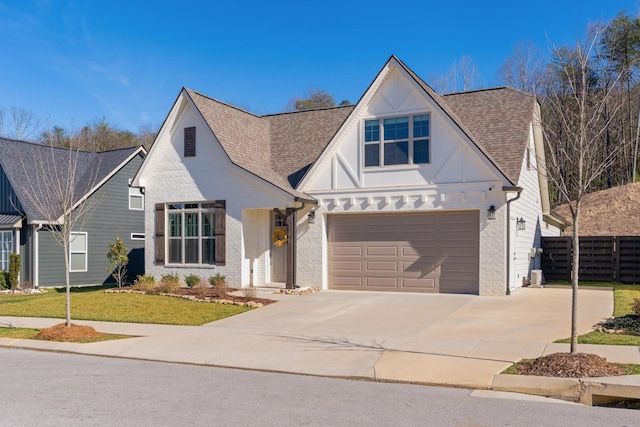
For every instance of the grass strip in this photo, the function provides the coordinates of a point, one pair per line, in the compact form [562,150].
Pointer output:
[94,304]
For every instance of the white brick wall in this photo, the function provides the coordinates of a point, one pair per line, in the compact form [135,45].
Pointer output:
[169,177]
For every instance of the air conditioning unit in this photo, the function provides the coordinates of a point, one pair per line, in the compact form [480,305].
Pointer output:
[536,278]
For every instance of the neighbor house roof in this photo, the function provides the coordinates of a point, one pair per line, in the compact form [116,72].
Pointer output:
[30,167]
[611,212]
[280,148]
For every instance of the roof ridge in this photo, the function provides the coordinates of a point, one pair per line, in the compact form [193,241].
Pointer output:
[226,104]
[308,111]
[487,89]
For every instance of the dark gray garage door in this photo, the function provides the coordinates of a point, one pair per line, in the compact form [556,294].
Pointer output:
[412,252]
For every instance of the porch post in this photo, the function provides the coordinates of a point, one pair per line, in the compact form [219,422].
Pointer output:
[291,248]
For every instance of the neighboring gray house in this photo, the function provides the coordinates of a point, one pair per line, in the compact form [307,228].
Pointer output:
[103,180]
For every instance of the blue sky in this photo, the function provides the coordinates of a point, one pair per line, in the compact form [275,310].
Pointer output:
[71,62]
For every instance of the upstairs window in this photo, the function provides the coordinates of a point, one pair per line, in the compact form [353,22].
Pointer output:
[190,142]
[136,199]
[405,140]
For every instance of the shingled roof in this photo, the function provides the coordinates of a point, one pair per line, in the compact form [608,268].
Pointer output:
[21,162]
[498,120]
[280,148]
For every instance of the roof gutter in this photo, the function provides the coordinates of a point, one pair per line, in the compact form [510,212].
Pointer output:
[518,190]
[305,200]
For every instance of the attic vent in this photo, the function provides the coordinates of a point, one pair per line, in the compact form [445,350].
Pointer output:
[190,142]
[536,278]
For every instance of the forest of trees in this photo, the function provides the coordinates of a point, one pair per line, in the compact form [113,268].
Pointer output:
[593,84]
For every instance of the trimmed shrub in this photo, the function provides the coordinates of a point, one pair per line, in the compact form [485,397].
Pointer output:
[14,270]
[191,280]
[169,283]
[219,283]
[636,306]
[145,283]
[3,279]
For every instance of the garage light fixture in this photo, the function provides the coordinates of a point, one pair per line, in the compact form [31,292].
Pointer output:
[311,218]
[491,213]
[521,224]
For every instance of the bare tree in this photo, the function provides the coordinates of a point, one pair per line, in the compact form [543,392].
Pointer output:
[22,124]
[575,126]
[461,75]
[523,68]
[57,180]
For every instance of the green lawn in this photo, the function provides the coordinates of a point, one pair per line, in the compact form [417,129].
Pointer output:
[94,304]
[623,296]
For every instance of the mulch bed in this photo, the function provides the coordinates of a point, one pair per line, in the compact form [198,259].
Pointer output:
[213,293]
[62,332]
[567,365]
[207,294]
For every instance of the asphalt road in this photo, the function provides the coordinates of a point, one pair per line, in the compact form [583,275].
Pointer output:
[51,389]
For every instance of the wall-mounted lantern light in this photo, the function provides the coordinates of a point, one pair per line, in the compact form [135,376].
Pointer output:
[491,213]
[311,218]
[521,224]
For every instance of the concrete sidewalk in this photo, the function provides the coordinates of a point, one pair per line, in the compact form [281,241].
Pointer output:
[453,340]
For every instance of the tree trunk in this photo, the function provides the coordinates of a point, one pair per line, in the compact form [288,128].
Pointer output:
[65,248]
[574,281]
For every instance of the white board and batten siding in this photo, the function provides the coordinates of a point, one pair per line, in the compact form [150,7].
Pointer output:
[458,178]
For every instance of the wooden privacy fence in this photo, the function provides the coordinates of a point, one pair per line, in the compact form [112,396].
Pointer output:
[602,258]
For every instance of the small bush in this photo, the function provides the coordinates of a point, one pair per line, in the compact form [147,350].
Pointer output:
[250,292]
[3,279]
[169,284]
[636,306]
[217,279]
[191,280]
[219,283]
[145,283]
[14,270]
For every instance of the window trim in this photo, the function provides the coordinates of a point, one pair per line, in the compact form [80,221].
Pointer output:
[138,236]
[381,142]
[183,210]
[85,251]
[139,194]
[10,249]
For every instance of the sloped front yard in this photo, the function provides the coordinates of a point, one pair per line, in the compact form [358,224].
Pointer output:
[94,304]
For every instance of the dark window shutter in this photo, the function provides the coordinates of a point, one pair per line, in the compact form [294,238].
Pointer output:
[190,142]
[220,231]
[159,241]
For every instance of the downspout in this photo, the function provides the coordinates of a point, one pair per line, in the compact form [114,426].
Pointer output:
[510,190]
[17,252]
[36,272]
[291,219]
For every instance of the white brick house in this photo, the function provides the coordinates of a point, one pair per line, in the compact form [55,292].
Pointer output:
[394,193]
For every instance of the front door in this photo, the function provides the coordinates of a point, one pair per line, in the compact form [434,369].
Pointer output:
[278,253]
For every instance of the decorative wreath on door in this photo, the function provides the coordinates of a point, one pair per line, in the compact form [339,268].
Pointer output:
[279,237]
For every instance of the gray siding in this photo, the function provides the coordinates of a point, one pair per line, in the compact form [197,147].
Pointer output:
[7,195]
[110,218]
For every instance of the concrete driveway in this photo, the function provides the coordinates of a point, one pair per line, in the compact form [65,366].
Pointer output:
[426,338]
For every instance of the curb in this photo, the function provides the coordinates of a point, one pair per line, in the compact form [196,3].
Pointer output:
[588,391]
